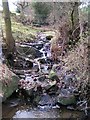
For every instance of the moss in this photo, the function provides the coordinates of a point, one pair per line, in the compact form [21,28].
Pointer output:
[11,87]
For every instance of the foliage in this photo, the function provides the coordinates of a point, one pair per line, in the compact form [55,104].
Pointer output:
[24,33]
[42,11]
[86,9]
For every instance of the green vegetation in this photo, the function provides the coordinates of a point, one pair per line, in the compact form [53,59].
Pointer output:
[42,11]
[24,32]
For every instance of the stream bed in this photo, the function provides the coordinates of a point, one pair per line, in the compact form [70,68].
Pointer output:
[14,109]
[40,85]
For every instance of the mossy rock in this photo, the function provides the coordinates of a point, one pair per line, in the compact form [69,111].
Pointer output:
[53,75]
[67,100]
[10,88]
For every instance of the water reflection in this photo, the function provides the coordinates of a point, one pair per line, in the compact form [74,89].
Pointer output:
[48,113]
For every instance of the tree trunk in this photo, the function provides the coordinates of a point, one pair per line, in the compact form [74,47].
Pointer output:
[75,21]
[10,43]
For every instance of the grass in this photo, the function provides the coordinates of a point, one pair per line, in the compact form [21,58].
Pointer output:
[24,32]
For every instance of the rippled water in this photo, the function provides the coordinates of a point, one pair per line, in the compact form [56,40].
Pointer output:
[16,109]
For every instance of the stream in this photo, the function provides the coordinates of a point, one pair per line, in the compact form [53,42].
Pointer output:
[35,70]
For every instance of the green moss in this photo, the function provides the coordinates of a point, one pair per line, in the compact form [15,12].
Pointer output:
[67,100]
[11,87]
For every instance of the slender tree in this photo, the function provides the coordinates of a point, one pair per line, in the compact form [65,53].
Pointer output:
[75,20]
[10,43]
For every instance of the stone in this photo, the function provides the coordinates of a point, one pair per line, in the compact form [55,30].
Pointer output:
[70,79]
[42,78]
[42,60]
[26,50]
[19,72]
[22,63]
[49,37]
[44,69]
[10,88]
[47,100]
[38,46]
[66,98]
[35,67]
[53,76]
[51,90]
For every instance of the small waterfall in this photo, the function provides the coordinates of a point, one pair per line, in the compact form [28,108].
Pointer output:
[36,61]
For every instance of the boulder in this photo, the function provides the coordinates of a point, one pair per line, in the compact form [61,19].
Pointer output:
[42,78]
[44,69]
[47,100]
[42,60]
[70,79]
[66,98]
[51,88]
[9,83]
[26,50]
[49,37]
[22,63]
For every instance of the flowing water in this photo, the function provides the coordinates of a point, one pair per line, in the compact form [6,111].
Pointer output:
[16,107]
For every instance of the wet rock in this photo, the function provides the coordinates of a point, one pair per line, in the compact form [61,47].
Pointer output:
[22,76]
[52,90]
[37,95]
[47,46]
[18,64]
[35,67]
[14,102]
[32,95]
[50,61]
[70,108]
[26,95]
[53,76]
[47,100]
[36,25]
[66,98]
[28,64]
[28,50]
[42,78]
[38,45]
[49,67]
